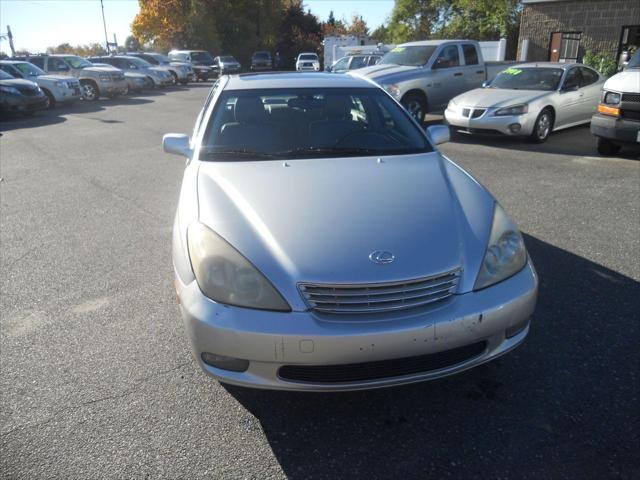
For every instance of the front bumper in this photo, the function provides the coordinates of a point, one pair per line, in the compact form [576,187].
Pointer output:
[271,340]
[301,68]
[22,103]
[489,123]
[616,129]
[113,88]
[66,95]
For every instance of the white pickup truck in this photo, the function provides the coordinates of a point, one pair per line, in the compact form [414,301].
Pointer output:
[425,75]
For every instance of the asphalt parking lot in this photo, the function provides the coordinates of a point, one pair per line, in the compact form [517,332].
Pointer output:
[96,376]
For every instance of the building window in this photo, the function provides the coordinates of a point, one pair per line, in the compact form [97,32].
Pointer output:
[565,47]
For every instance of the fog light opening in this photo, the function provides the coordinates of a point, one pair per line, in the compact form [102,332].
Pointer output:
[515,127]
[225,363]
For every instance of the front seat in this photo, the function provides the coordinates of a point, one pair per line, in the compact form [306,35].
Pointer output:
[338,122]
[252,129]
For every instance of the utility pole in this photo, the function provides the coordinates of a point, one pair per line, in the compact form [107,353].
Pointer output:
[104,23]
[9,37]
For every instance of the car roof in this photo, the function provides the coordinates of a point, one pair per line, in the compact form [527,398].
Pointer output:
[433,43]
[250,81]
[9,61]
[308,53]
[186,51]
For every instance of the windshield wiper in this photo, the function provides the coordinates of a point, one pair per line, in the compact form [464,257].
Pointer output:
[329,151]
[240,153]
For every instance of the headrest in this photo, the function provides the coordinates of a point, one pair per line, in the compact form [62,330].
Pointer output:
[338,107]
[249,110]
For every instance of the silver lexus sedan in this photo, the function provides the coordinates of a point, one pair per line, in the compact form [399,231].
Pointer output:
[322,242]
[529,100]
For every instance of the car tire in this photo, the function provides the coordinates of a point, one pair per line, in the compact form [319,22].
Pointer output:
[90,90]
[606,147]
[416,105]
[543,127]
[51,101]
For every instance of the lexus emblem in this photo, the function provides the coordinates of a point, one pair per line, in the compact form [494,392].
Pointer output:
[382,257]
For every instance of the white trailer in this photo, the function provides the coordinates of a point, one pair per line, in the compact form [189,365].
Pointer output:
[334,44]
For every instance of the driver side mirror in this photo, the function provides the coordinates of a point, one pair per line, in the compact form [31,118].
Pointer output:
[176,143]
[438,134]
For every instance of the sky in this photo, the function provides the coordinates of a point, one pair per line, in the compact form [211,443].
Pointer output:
[38,24]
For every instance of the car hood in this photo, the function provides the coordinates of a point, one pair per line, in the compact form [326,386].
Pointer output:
[318,220]
[497,97]
[627,81]
[18,82]
[384,73]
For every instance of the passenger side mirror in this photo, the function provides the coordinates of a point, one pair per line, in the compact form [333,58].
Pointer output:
[438,134]
[176,143]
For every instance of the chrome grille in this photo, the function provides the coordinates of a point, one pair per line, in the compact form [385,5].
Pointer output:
[379,297]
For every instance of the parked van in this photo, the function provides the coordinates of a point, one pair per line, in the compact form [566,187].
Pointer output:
[617,122]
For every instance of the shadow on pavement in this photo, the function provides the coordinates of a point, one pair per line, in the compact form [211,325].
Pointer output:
[564,405]
[39,119]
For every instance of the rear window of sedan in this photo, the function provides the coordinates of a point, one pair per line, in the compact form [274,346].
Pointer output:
[309,123]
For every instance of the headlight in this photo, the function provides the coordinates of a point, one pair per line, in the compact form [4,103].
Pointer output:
[225,276]
[13,91]
[513,110]
[505,255]
[393,90]
[611,98]
[105,78]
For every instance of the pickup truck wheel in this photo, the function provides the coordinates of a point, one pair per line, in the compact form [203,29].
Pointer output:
[415,105]
[606,146]
[543,127]
[89,90]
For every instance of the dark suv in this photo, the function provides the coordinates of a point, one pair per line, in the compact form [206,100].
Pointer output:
[261,61]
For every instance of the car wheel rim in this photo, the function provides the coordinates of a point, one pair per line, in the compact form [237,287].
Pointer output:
[415,109]
[89,92]
[544,126]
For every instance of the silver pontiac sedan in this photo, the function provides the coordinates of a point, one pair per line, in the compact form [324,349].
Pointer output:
[529,100]
[322,242]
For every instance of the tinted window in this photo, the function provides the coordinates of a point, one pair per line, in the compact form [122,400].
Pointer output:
[303,123]
[413,55]
[635,60]
[5,76]
[448,57]
[8,69]
[310,56]
[374,60]
[57,65]
[573,79]
[588,76]
[201,57]
[470,54]
[546,79]
[37,61]
[358,62]
[28,69]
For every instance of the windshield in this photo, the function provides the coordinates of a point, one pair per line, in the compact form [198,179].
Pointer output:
[227,59]
[635,60]
[201,57]
[157,57]
[309,56]
[413,55]
[28,69]
[309,123]
[5,76]
[545,79]
[262,56]
[138,62]
[77,62]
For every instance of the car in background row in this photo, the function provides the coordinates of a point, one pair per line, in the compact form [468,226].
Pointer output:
[20,96]
[201,61]
[308,61]
[136,82]
[354,62]
[261,61]
[158,75]
[182,72]
[95,81]
[424,76]
[58,88]
[531,99]
[617,122]
[225,65]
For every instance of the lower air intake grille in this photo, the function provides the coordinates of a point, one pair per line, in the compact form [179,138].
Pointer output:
[379,297]
[360,372]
